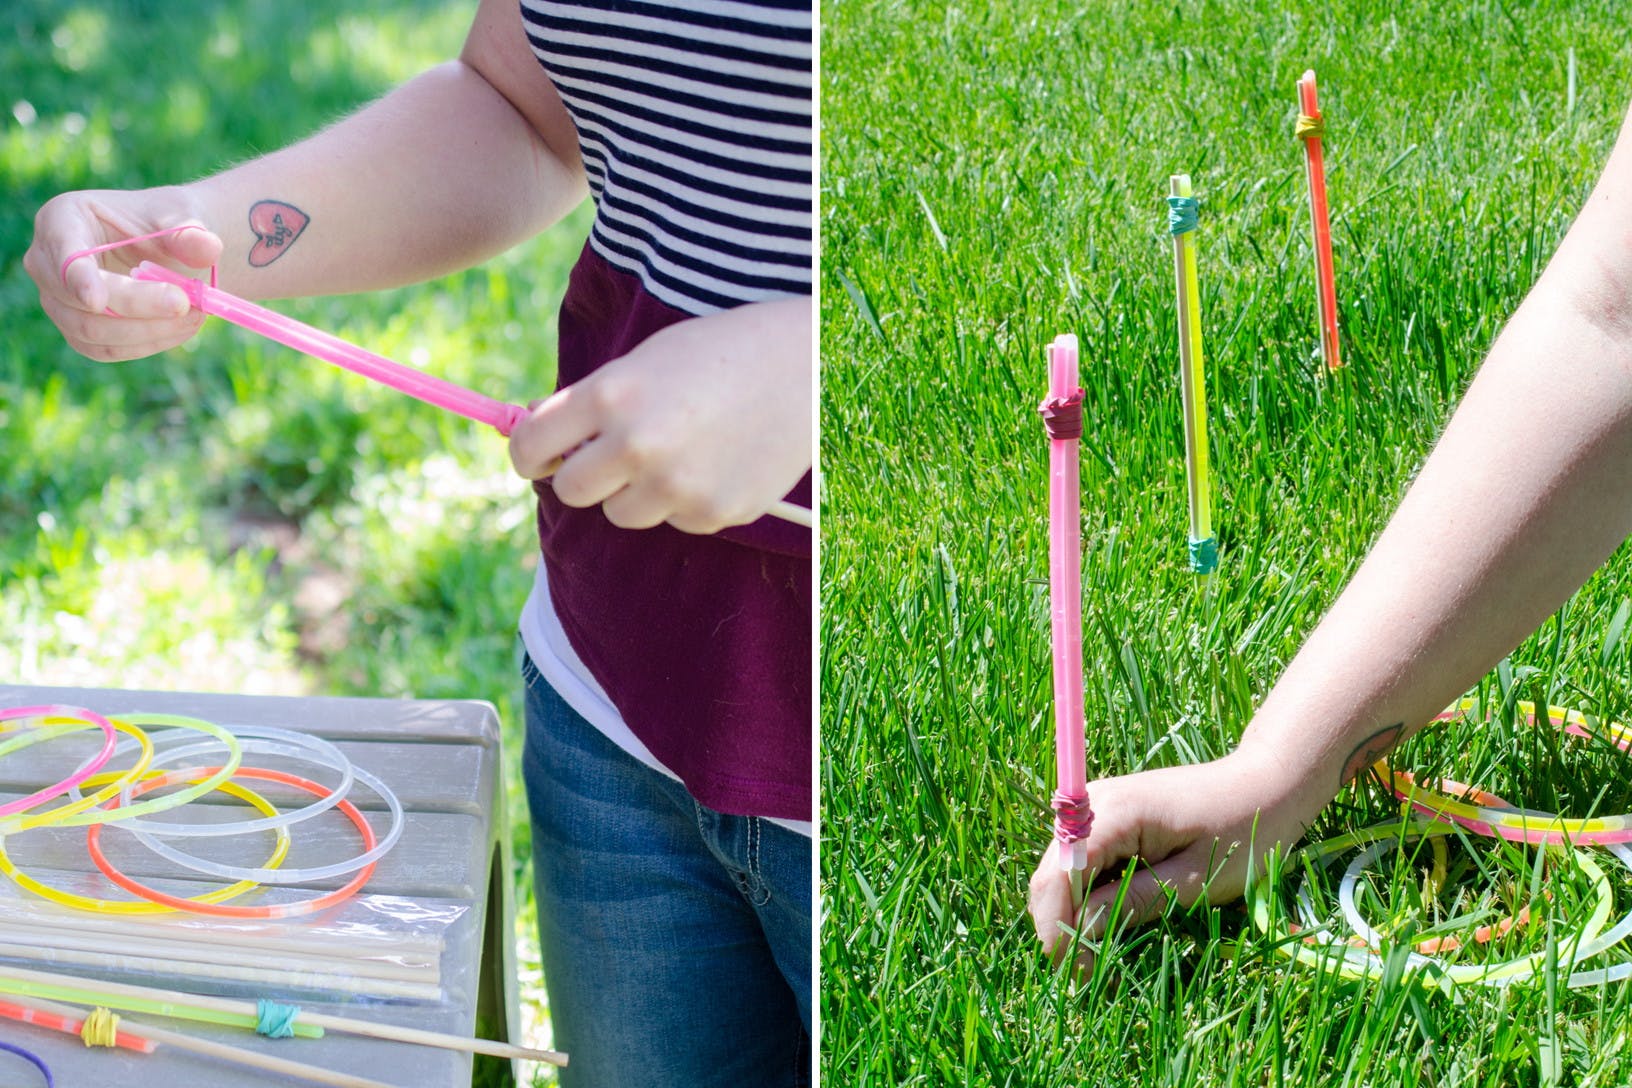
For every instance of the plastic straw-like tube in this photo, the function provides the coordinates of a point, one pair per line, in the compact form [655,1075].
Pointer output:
[1065,603]
[302,337]
[1321,226]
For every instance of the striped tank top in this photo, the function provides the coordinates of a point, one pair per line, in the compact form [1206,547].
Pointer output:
[692,653]
[694,120]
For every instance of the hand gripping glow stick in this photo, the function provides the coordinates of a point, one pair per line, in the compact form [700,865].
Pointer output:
[1062,417]
[1181,224]
[286,330]
[1310,128]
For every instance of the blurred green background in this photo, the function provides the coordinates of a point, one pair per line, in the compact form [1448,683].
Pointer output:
[233,516]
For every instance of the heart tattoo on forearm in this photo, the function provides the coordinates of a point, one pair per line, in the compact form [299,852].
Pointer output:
[276,226]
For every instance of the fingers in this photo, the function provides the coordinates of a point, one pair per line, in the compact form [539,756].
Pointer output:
[556,426]
[199,247]
[107,338]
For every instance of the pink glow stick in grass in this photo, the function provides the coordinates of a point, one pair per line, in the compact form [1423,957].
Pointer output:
[1311,126]
[1062,418]
[302,337]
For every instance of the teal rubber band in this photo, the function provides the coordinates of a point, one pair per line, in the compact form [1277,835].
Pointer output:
[1204,555]
[275,1021]
[1181,214]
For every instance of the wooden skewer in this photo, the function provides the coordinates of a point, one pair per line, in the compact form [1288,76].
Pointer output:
[220,932]
[117,990]
[178,950]
[235,1054]
[166,965]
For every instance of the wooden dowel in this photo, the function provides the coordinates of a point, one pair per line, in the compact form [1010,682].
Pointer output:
[225,933]
[162,965]
[175,950]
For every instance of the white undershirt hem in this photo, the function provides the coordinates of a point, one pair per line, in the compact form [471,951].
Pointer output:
[559,664]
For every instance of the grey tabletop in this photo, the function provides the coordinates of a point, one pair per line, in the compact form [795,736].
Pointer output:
[441,758]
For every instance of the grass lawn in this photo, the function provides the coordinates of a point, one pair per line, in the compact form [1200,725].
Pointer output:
[232,516]
[994,175]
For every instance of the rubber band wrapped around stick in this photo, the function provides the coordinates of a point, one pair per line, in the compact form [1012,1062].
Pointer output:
[1062,418]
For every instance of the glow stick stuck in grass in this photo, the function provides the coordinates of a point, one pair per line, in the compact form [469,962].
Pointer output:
[302,337]
[1062,416]
[1311,127]
[1181,224]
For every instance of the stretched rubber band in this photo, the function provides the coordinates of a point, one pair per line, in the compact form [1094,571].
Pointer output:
[179,725]
[248,738]
[275,1021]
[281,875]
[93,843]
[62,273]
[117,906]
[31,819]
[33,1059]
[1530,826]
[70,714]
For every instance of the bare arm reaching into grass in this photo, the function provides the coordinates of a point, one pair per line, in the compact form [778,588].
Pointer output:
[1527,492]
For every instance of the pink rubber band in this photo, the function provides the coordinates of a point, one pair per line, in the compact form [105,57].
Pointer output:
[94,250]
[96,763]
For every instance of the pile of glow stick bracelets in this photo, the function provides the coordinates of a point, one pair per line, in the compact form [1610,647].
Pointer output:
[200,757]
[1452,809]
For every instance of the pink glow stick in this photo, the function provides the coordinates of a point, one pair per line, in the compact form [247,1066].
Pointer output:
[302,337]
[1062,416]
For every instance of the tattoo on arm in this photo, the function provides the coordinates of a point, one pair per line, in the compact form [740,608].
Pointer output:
[276,226]
[1369,751]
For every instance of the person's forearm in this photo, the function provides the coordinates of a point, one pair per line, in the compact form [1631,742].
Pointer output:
[439,174]
[1526,493]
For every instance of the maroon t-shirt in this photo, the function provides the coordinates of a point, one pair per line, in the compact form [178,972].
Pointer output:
[703,643]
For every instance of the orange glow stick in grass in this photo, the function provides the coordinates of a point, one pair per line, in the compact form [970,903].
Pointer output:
[1311,127]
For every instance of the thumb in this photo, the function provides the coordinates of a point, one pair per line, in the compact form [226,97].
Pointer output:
[196,247]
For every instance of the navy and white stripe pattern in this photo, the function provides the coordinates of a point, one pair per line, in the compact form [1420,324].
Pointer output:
[694,117]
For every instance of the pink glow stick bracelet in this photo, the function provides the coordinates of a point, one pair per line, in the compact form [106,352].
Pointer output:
[96,763]
[1062,418]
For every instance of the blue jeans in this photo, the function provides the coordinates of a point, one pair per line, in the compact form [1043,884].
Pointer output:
[676,939]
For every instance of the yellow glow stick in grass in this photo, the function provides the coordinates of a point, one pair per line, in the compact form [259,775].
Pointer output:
[1181,224]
